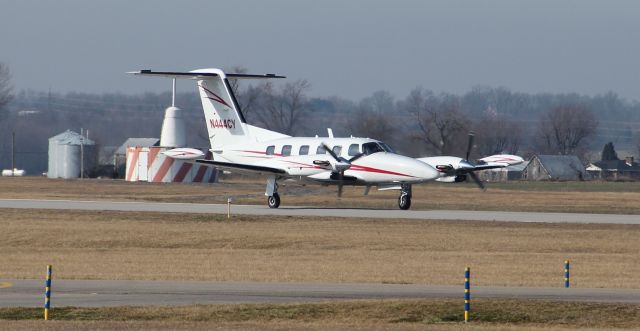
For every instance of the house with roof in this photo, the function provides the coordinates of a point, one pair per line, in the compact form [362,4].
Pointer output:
[555,167]
[615,169]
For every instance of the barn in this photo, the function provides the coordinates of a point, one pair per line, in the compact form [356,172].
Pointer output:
[555,167]
[626,169]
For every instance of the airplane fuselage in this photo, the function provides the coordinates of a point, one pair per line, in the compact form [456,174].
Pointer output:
[306,157]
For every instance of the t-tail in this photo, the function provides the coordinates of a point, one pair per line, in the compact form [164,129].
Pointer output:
[225,122]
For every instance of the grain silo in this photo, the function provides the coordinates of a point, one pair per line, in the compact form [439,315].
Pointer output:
[71,154]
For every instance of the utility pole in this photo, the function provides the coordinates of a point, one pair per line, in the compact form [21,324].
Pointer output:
[81,153]
[13,151]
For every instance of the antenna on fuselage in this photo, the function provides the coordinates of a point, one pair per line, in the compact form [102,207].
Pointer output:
[330,132]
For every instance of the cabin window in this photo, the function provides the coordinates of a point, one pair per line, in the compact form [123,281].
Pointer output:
[354,149]
[304,150]
[321,150]
[370,148]
[286,150]
[386,148]
[337,150]
[270,150]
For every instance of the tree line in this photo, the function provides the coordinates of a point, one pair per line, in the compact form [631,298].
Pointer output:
[421,123]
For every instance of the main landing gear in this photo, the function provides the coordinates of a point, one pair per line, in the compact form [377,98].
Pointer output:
[273,198]
[404,201]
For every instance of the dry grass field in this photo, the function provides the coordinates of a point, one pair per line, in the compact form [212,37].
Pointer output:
[353,315]
[156,246]
[587,197]
[121,245]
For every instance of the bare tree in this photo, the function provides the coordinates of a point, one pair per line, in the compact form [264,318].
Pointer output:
[378,102]
[566,129]
[280,109]
[6,88]
[247,96]
[371,117]
[496,134]
[440,122]
[363,123]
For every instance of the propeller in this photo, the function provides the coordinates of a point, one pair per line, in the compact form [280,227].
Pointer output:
[341,165]
[470,144]
[468,167]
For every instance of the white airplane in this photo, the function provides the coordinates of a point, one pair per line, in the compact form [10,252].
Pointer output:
[240,147]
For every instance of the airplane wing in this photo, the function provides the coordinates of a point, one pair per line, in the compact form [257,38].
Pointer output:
[479,167]
[237,167]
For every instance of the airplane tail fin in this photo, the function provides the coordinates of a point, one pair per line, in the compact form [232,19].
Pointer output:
[225,123]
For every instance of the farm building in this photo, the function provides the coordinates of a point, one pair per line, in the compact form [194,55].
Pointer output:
[149,164]
[555,167]
[615,169]
[120,155]
[513,172]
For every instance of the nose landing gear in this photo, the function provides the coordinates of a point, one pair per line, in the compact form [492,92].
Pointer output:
[404,201]
[273,198]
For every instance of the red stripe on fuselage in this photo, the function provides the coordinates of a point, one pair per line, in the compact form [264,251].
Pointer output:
[358,168]
[380,171]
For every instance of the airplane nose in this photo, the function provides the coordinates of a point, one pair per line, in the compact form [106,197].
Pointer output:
[425,171]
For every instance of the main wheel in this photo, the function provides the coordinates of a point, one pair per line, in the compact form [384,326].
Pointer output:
[404,202]
[273,200]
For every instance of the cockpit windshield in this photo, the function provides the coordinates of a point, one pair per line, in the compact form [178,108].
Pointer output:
[375,147]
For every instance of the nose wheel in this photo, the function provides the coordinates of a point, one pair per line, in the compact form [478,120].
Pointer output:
[404,201]
[273,200]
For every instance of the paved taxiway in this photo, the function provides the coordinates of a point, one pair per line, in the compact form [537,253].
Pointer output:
[331,212]
[95,293]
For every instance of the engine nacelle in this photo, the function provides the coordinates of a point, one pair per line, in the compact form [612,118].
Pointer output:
[452,179]
[447,179]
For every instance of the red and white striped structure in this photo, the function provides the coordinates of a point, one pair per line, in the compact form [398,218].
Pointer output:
[148,164]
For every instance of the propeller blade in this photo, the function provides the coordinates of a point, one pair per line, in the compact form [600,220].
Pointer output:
[330,151]
[340,183]
[355,157]
[477,180]
[470,144]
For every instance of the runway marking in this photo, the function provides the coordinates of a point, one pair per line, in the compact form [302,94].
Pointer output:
[5,284]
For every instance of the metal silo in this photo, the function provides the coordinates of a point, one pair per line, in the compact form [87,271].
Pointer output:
[66,152]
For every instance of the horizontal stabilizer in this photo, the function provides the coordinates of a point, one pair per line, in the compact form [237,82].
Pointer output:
[200,74]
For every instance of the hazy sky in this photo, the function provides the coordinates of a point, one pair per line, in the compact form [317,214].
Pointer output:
[344,48]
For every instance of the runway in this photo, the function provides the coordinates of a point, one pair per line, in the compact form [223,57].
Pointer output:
[330,212]
[97,293]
